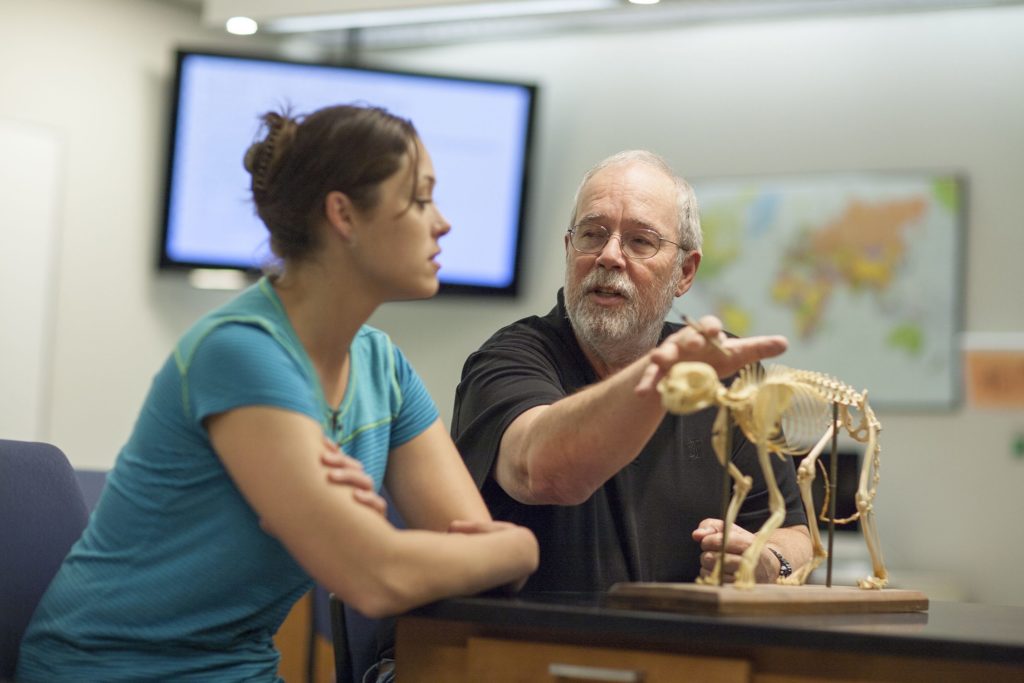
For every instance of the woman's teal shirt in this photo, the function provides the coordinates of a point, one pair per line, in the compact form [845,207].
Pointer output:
[173,579]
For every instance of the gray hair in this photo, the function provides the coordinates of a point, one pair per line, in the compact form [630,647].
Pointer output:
[690,236]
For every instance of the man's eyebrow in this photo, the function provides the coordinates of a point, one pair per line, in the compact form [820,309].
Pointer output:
[429,180]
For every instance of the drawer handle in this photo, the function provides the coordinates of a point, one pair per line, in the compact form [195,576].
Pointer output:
[573,672]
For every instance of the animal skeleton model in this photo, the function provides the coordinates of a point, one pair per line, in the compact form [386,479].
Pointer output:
[778,410]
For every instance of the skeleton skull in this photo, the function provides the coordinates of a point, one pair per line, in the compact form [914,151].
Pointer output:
[689,387]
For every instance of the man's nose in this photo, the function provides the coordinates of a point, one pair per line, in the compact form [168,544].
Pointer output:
[611,255]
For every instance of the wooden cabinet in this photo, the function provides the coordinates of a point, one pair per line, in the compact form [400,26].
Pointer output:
[293,642]
[509,661]
[484,640]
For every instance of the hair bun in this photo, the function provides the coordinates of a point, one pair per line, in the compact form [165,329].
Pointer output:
[263,154]
[250,157]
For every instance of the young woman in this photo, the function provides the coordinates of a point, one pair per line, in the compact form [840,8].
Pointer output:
[218,516]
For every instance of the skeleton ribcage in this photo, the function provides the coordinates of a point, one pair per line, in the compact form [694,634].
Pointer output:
[792,407]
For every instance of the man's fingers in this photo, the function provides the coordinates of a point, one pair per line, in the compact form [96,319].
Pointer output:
[735,545]
[706,528]
[709,534]
[705,342]
[732,564]
[745,351]
[670,352]
[710,325]
[756,348]
[691,340]
[711,523]
[649,380]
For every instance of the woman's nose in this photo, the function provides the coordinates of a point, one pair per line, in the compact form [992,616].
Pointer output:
[443,226]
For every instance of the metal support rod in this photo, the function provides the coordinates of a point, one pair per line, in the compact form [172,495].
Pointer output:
[726,492]
[833,468]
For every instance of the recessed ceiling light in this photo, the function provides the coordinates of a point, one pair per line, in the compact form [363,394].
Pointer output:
[241,26]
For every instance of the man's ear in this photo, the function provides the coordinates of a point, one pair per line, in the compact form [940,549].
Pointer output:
[686,274]
[340,213]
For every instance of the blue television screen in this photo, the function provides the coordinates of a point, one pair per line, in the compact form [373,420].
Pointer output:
[477,131]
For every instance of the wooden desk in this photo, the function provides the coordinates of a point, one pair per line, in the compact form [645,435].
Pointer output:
[559,637]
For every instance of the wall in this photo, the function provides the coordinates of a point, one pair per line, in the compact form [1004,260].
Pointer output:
[29,173]
[95,76]
[925,90]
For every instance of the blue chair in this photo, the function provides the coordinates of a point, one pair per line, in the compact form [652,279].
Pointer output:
[343,668]
[356,640]
[43,514]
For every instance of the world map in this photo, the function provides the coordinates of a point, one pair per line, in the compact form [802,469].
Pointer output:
[862,272]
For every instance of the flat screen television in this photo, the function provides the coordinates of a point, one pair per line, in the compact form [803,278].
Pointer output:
[478,133]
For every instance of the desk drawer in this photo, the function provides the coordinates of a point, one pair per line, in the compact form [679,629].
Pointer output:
[515,661]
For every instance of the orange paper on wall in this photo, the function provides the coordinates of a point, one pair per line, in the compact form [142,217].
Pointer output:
[995,379]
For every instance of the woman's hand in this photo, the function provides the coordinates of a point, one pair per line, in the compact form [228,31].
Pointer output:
[462,526]
[344,469]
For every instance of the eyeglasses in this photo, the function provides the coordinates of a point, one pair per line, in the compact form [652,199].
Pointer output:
[641,243]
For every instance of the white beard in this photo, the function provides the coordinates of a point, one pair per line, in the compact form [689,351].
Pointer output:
[617,337]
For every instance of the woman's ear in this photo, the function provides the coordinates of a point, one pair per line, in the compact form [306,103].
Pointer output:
[340,214]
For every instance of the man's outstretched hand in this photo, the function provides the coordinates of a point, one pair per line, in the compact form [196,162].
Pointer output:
[705,342]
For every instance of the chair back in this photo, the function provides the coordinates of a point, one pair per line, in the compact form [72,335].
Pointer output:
[42,514]
[339,639]
[358,641]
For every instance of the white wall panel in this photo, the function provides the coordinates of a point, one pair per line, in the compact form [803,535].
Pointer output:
[29,196]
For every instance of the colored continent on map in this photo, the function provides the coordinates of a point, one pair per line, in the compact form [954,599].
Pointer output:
[862,249]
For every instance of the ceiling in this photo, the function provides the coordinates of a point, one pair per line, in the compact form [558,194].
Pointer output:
[401,23]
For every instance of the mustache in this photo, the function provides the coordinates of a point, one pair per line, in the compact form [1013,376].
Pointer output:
[609,280]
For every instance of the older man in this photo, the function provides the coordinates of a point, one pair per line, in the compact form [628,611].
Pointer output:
[560,425]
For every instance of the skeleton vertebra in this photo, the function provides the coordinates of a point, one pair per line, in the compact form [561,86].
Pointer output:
[780,411]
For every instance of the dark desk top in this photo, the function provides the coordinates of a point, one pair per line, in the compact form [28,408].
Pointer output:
[948,630]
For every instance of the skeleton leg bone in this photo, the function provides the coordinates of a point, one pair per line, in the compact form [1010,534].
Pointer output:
[745,577]
[865,506]
[880,577]
[805,478]
[741,486]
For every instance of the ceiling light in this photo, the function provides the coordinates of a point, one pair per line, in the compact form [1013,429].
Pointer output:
[241,26]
